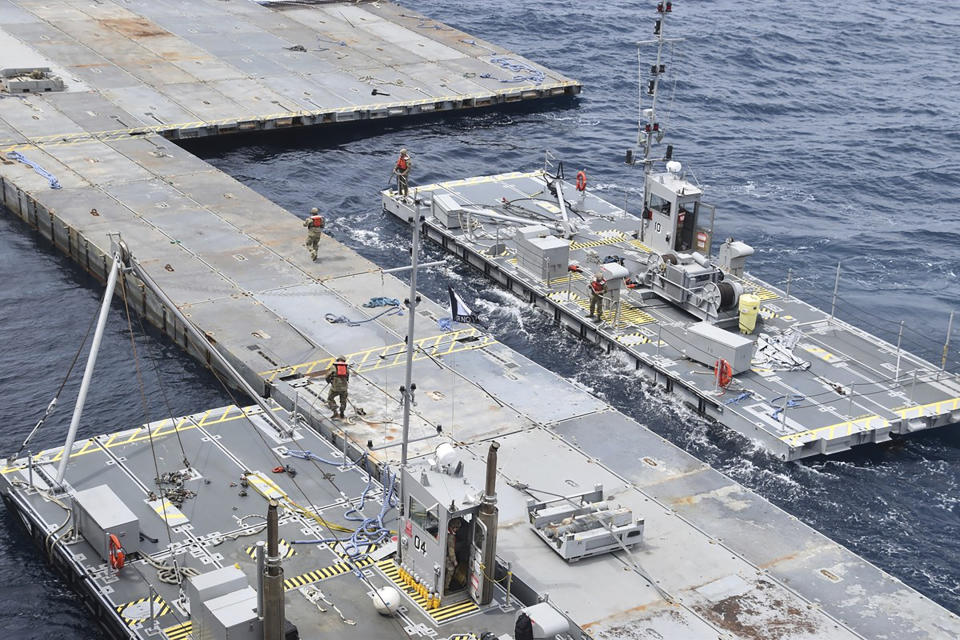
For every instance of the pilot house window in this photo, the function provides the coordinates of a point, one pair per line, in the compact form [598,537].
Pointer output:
[659,204]
[426,519]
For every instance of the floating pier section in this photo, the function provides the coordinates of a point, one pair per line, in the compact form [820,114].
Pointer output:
[817,385]
[95,161]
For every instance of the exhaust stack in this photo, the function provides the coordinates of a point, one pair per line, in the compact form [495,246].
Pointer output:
[273,604]
[488,516]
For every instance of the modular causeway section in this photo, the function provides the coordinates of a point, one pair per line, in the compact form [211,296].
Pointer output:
[811,384]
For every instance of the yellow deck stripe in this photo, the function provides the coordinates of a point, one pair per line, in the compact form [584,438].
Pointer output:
[873,422]
[179,631]
[444,614]
[391,355]
[138,435]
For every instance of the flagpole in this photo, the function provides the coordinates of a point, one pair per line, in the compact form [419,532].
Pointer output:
[408,388]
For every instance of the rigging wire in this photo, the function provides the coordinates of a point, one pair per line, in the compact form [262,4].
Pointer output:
[146,410]
[53,402]
[163,392]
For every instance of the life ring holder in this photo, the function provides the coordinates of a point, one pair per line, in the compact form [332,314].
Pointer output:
[722,373]
[117,555]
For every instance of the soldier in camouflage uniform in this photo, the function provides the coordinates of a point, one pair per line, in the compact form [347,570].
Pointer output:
[451,563]
[314,224]
[338,376]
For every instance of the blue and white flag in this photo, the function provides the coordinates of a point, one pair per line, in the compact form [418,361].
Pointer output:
[459,309]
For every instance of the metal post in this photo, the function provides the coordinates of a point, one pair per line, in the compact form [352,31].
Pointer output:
[88,372]
[488,515]
[914,385]
[659,331]
[346,460]
[836,286]
[407,390]
[946,346]
[616,319]
[273,614]
[850,403]
[261,558]
[896,376]
[509,581]
[789,278]
[783,410]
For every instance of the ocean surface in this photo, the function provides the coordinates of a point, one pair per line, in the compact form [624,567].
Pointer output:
[822,131]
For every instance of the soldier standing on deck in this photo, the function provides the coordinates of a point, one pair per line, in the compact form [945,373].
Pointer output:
[338,375]
[314,224]
[402,169]
[598,288]
[451,563]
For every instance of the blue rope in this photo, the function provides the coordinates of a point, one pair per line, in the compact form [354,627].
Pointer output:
[742,396]
[333,318]
[371,530]
[792,401]
[523,72]
[16,155]
[380,301]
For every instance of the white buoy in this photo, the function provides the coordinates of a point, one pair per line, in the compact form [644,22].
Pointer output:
[386,600]
[674,167]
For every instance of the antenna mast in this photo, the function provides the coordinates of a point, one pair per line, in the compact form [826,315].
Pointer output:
[647,124]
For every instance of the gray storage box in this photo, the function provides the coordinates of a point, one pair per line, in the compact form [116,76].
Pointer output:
[232,616]
[546,257]
[447,210]
[707,343]
[99,512]
[214,584]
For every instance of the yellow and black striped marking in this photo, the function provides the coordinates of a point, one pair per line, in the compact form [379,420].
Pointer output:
[286,550]
[611,239]
[138,610]
[629,314]
[332,571]
[443,614]
[361,550]
[179,631]
[631,339]
[757,290]
[641,246]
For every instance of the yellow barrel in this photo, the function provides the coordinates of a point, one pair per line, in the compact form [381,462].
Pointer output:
[749,308]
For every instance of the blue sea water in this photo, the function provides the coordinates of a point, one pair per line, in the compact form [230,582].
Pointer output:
[823,131]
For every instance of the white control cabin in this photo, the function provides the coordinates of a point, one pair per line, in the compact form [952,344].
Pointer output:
[671,214]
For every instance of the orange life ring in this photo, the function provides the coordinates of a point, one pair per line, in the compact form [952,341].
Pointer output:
[581,181]
[117,555]
[722,373]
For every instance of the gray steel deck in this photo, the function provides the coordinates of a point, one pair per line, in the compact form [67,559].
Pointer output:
[186,70]
[793,413]
[734,565]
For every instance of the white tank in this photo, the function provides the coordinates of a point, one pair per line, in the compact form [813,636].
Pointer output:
[447,457]
[386,600]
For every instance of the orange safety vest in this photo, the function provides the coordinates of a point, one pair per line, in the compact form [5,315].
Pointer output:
[340,370]
[402,164]
[316,221]
[597,286]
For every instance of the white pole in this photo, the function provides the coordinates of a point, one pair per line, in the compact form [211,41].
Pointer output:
[896,376]
[836,286]
[88,372]
[946,346]
[408,377]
